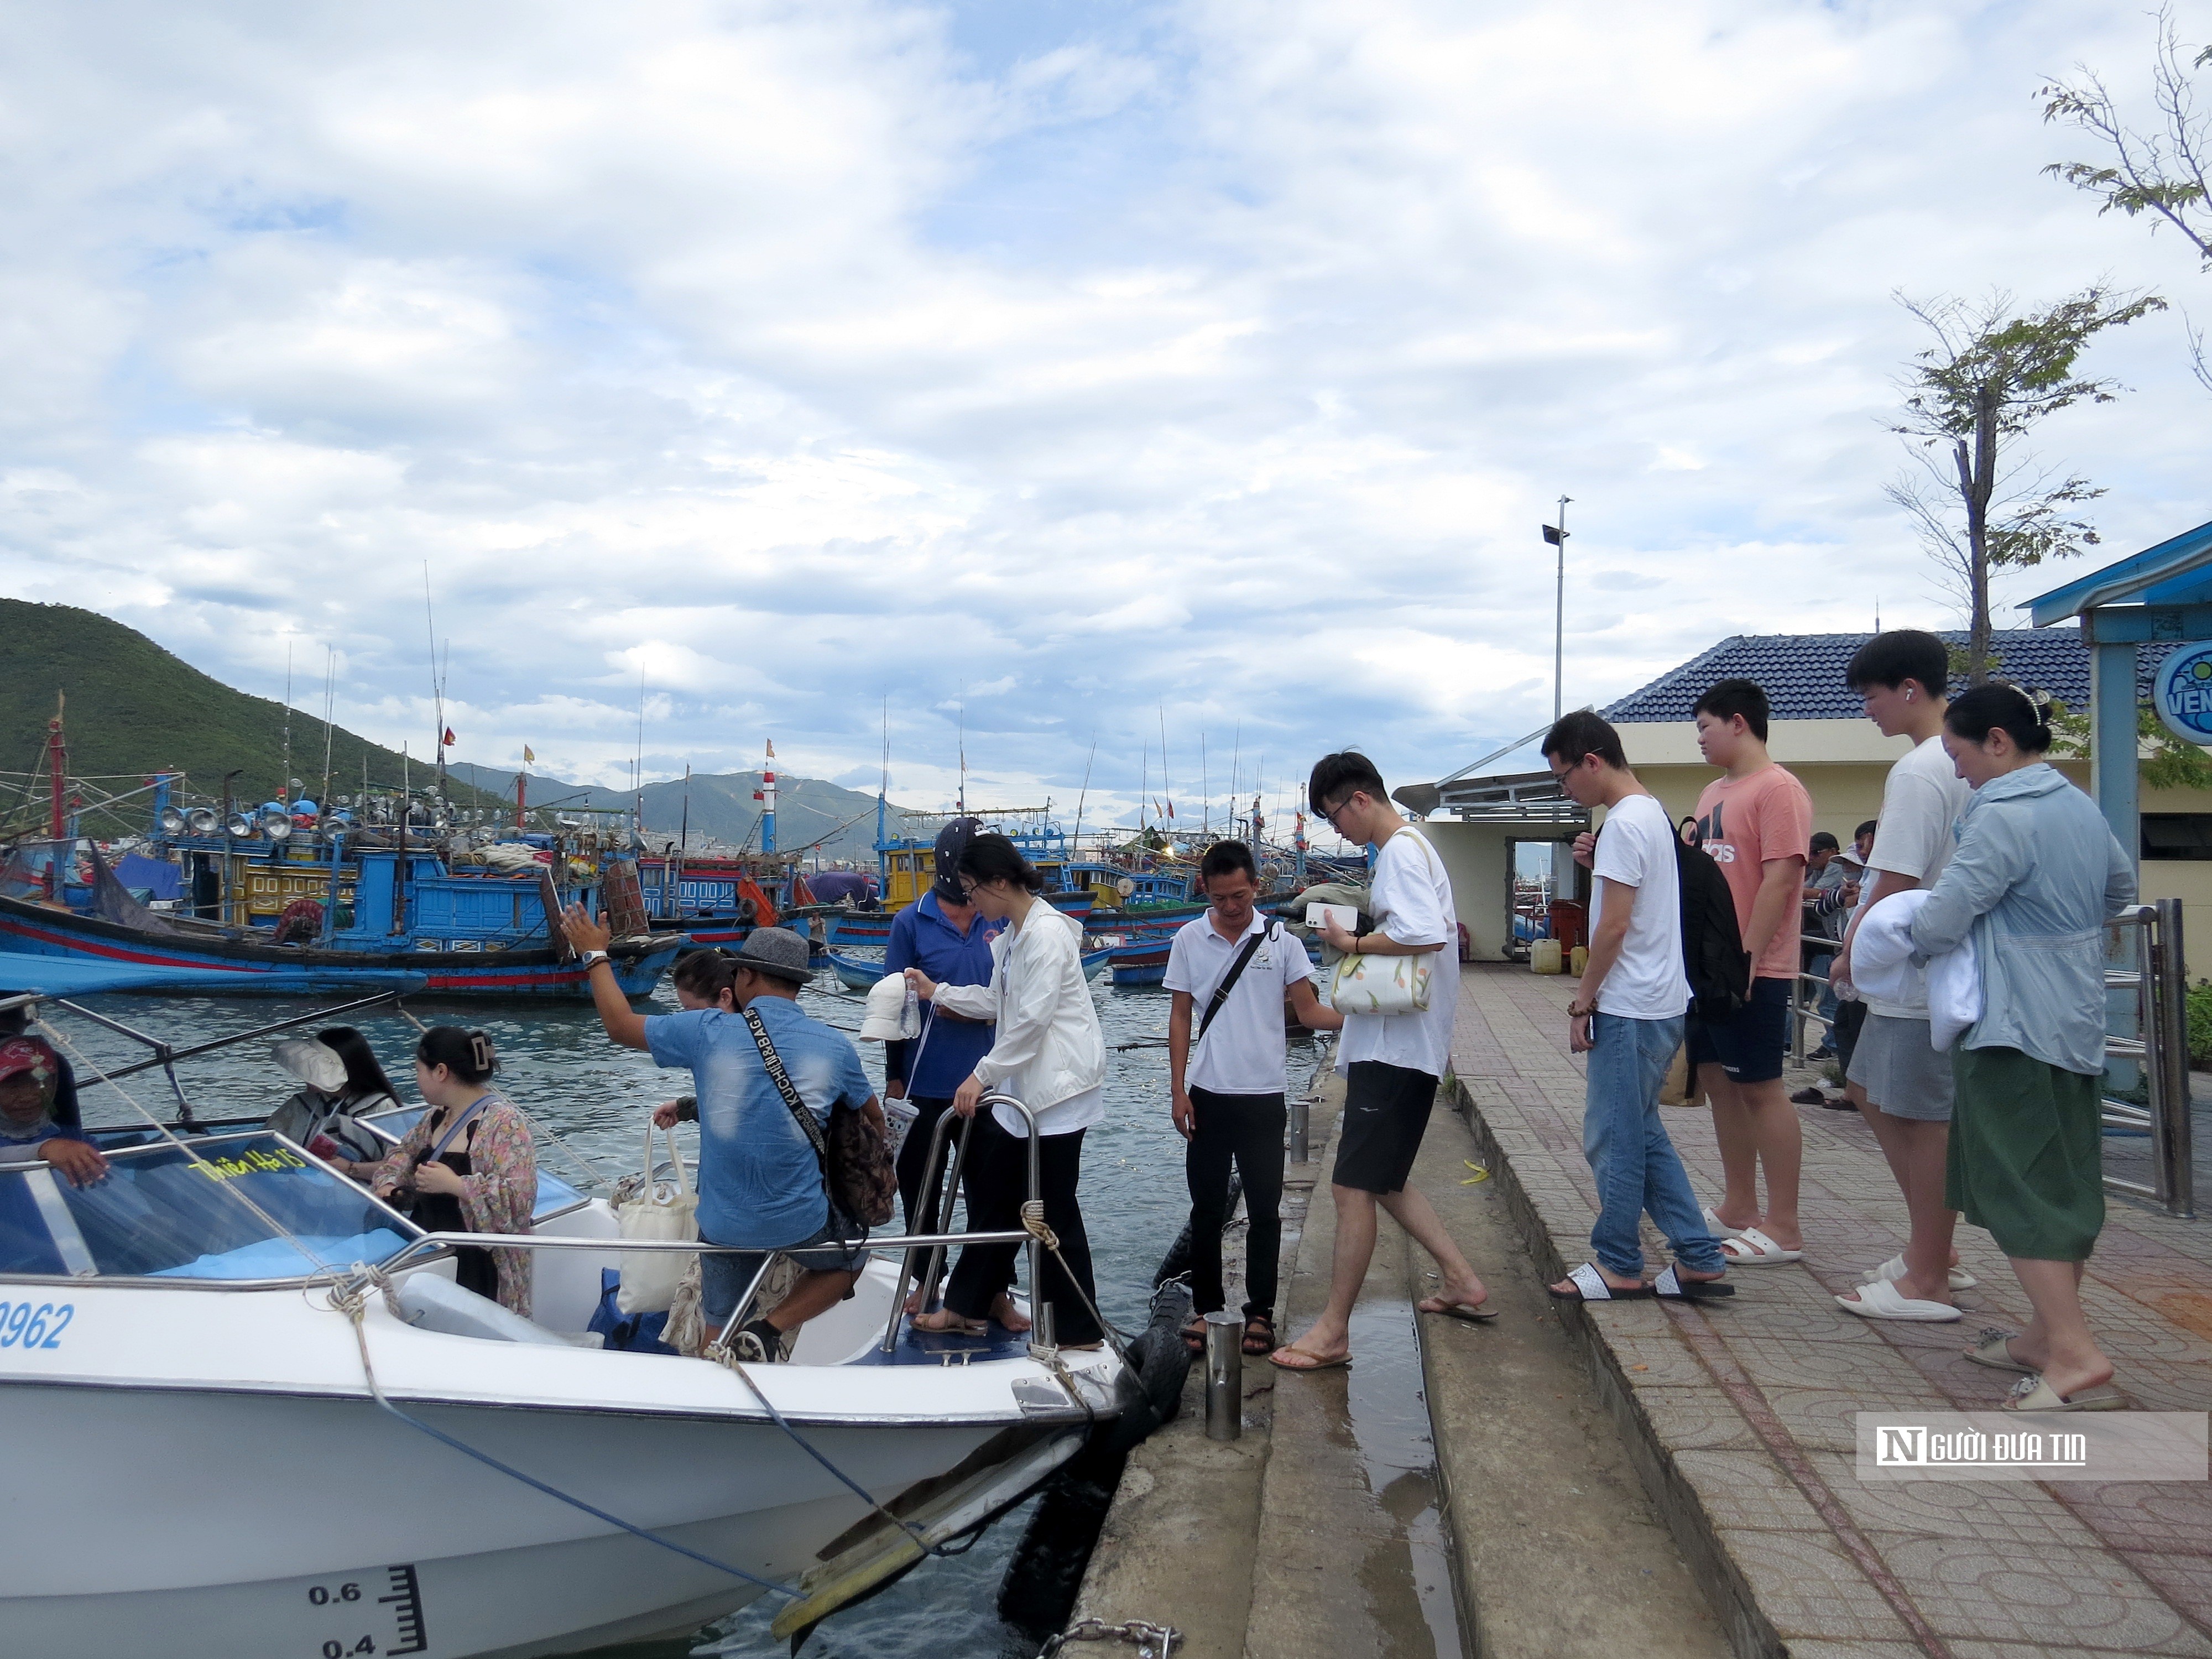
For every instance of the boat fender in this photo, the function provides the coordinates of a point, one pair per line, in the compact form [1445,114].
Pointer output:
[1176,1264]
[1154,1394]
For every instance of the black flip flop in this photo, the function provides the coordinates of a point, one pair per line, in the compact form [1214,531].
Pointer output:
[1673,1286]
[1590,1286]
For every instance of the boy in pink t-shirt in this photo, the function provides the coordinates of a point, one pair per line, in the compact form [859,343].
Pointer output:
[1756,822]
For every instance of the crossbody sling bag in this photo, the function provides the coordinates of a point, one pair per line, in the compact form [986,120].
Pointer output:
[1274,930]
[857,1172]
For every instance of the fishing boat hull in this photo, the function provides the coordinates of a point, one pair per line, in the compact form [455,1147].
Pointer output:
[1140,964]
[855,973]
[254,968]
[1149,920]
[345,1530]
[859,930]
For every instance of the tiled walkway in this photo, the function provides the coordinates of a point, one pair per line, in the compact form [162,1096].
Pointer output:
[1746,1407]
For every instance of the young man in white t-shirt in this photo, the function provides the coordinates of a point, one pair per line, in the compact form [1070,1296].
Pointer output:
[1898,1079]
[1627,1016]
[1392,1063]
[1227,1082]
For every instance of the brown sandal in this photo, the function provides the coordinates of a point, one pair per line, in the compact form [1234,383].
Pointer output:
[1261,1340]
[1194,1337]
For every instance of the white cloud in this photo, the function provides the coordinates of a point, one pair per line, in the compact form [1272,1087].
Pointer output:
[1218,358]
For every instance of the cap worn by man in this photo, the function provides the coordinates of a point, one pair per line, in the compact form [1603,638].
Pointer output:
[21,1054]
[776,950]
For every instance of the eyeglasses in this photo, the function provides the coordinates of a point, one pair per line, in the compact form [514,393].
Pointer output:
[1328,813]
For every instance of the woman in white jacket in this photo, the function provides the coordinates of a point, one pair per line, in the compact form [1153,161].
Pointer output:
[1049,1053]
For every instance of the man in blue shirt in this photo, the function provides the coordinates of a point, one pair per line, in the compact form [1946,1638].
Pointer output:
[760,1183]
[943,937]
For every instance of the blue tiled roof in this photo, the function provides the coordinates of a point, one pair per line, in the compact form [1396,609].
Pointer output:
[1802,674]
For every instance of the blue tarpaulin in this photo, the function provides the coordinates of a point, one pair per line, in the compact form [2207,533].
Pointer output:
[157,876]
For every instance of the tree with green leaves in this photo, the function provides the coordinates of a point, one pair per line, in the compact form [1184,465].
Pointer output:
[2160,173]
[1978,498]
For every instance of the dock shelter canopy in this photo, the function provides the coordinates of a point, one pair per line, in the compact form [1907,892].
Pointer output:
[2161,596]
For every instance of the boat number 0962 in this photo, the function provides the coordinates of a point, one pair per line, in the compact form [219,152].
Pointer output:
[22,1325]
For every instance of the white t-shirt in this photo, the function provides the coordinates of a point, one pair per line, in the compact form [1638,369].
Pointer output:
[1243,1050]
[1636,848]
[1410,901]
[1916,836]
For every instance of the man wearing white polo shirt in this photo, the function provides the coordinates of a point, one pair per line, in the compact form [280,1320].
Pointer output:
[1229,971]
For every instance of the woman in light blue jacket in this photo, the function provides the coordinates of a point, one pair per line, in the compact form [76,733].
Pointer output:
[2035,877]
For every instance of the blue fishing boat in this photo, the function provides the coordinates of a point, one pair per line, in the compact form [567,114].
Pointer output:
[1144,963]
[271,915]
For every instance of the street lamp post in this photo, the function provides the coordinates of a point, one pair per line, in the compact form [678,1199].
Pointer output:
[1557,536]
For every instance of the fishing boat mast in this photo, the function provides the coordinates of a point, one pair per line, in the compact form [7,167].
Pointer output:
[58,769]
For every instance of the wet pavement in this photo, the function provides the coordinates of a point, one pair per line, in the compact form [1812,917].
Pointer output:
[1741,1413]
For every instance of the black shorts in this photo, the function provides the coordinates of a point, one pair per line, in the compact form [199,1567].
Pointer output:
[1750,1047]
[1386,1112]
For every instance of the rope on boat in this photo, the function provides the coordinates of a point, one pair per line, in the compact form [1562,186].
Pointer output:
[1034,1223]
[351,1300]
[722,1356]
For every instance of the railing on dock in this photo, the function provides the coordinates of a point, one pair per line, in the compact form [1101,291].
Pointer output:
[2147,1031]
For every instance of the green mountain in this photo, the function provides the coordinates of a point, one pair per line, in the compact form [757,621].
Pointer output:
[134,709]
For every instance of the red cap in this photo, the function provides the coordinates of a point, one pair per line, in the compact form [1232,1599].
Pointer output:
[19,1055]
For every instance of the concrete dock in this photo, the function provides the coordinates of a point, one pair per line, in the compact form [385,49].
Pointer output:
[1653,1478]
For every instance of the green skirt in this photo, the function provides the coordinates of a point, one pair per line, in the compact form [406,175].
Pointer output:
[2028,1154]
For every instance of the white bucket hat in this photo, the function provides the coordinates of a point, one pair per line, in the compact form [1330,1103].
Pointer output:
[311,1061]
[887,1018]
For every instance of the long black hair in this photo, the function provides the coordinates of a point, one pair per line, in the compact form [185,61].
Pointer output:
[364,1078]
[993,858]
[468,1056]
[2023,715]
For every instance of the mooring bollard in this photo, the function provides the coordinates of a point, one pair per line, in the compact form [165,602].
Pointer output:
[1224,1376]
[1300,1109]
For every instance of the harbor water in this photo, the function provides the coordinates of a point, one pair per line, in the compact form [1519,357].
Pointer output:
[559,1066]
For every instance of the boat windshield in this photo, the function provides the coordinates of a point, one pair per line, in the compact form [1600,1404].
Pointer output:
[239,1207]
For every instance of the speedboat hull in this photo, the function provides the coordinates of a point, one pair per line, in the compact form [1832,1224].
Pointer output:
[210,1476]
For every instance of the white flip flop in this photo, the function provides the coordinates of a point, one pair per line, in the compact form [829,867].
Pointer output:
[1758,1251]
[1880,1298]
[2032,1394]
[1894,1268]
[1718,1228]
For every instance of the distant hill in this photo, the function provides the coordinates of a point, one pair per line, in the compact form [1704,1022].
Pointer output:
[722,807]
[135,708]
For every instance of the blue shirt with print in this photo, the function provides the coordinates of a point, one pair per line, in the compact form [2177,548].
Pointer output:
[760,1184]
[921,938]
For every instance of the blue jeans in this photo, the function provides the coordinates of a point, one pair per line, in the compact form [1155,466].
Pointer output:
[1823,966]
[1636,1164]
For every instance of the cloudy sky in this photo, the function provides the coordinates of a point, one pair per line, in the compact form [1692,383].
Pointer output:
[1060,370]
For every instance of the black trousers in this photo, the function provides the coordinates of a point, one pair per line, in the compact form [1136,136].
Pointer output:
[913,1202]
[1248,1128]
[995,1191]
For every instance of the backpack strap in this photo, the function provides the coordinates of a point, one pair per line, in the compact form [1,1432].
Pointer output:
[772,1063]
[1272,930]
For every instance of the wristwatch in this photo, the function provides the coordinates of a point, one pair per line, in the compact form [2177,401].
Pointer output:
[592,958]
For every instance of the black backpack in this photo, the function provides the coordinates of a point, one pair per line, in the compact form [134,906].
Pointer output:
[1712,945]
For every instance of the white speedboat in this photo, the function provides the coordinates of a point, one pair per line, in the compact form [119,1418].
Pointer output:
[199,1463]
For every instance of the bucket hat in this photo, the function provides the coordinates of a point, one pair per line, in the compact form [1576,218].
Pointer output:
[886,1020]
[311,1061]
[776,950]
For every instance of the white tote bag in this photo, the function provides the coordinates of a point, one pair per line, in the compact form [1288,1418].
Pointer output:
[656,1210]
[1371,984]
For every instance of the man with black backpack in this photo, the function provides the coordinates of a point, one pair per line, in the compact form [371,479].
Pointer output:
[1627,1017]
[1232,969]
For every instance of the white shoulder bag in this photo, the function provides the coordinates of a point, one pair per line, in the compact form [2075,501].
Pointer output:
[655,1210]
[1378,985]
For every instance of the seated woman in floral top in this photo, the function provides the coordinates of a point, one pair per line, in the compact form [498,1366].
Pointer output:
[467,1166]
